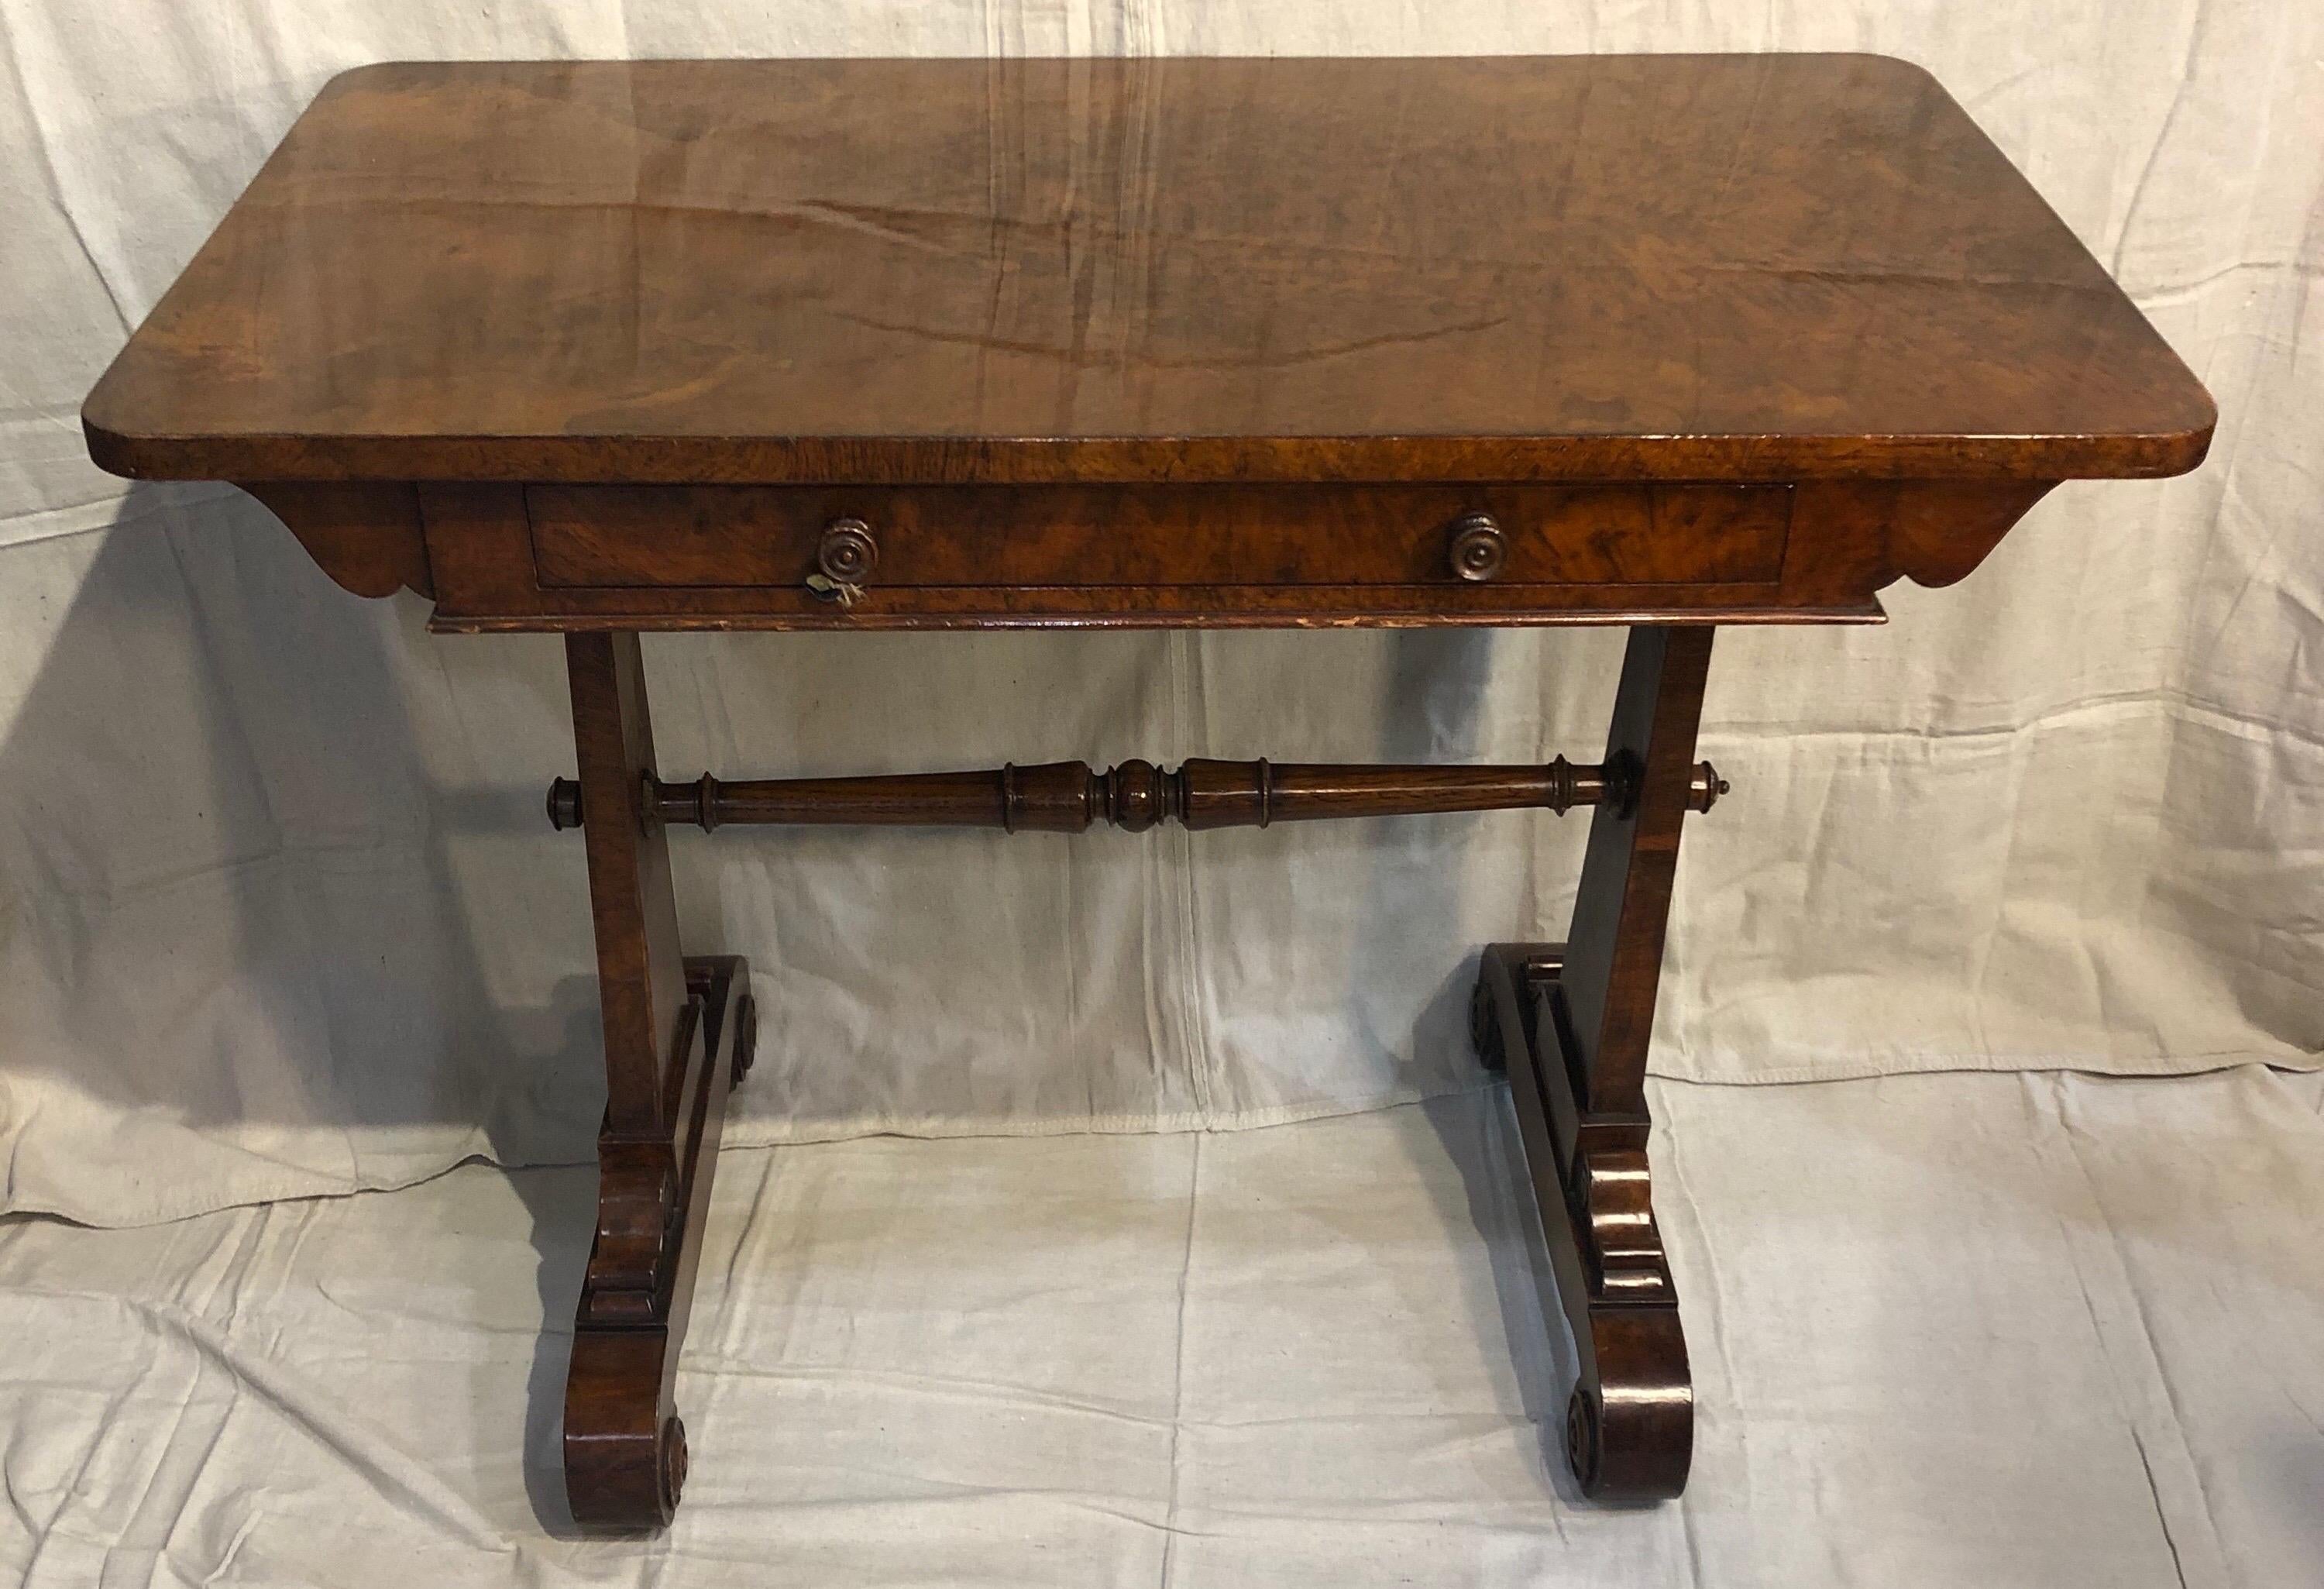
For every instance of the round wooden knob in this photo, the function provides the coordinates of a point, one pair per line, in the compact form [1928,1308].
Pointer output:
[1479,548]
[848,554]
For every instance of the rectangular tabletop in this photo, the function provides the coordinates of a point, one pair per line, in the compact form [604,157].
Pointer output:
[1628,267]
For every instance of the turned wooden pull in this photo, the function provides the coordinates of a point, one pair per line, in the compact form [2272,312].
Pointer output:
[1479,548]
[844,560]
[1067,796]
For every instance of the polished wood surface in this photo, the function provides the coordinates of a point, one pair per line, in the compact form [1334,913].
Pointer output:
[1621,906]
[709,536]
[1615,267]
[1629,1419]
[1069,797]
[1160,344]
[1570,1024]
[679,1033]
[640,980]
[624,1443]
[489,563]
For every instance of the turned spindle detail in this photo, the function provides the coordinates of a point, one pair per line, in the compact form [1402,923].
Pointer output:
[1068,797]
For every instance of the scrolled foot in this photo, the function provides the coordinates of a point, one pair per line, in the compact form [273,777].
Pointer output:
[1629,1424]
[1629,1435]
[625,1448]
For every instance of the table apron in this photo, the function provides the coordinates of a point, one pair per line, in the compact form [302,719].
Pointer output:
[713,536]
[518,556]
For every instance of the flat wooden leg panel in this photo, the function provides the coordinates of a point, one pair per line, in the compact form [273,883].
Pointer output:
[1571,1024]
[624,1445]
[1629,1427]
[679,1033]
[1614,952]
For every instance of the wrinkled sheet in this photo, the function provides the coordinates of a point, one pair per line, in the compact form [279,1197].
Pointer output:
[278,914]
[1972,1329]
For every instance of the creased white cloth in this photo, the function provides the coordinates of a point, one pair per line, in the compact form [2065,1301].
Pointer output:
[1993,1330]
[278,914]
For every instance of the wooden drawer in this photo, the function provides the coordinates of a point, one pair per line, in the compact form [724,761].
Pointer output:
[592,537]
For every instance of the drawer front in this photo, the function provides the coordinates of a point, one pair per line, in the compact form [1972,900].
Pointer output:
[590,537]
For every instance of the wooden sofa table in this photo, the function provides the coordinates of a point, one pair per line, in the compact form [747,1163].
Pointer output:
[1669,342]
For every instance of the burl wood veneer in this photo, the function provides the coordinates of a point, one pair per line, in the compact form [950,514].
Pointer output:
[1670,341]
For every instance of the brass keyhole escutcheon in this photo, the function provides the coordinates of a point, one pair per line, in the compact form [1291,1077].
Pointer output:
[844,560]
[1479,548]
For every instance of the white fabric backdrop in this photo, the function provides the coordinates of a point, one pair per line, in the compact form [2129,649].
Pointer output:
[278,914]
[2060,1333]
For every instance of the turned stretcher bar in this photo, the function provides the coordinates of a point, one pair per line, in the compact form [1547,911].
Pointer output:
[1067,796]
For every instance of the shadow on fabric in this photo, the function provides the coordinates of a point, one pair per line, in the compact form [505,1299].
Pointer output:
[241,962]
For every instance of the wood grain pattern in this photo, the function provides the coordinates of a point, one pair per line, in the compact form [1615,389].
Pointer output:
[1139,536]
[1629,1424]
[1070,797]
[624,1445]
[677,1034]
[1605,268]
[1621,907]
[365,535]
[1841,541]
[1571,1022]
[640,982]
[1662,341]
